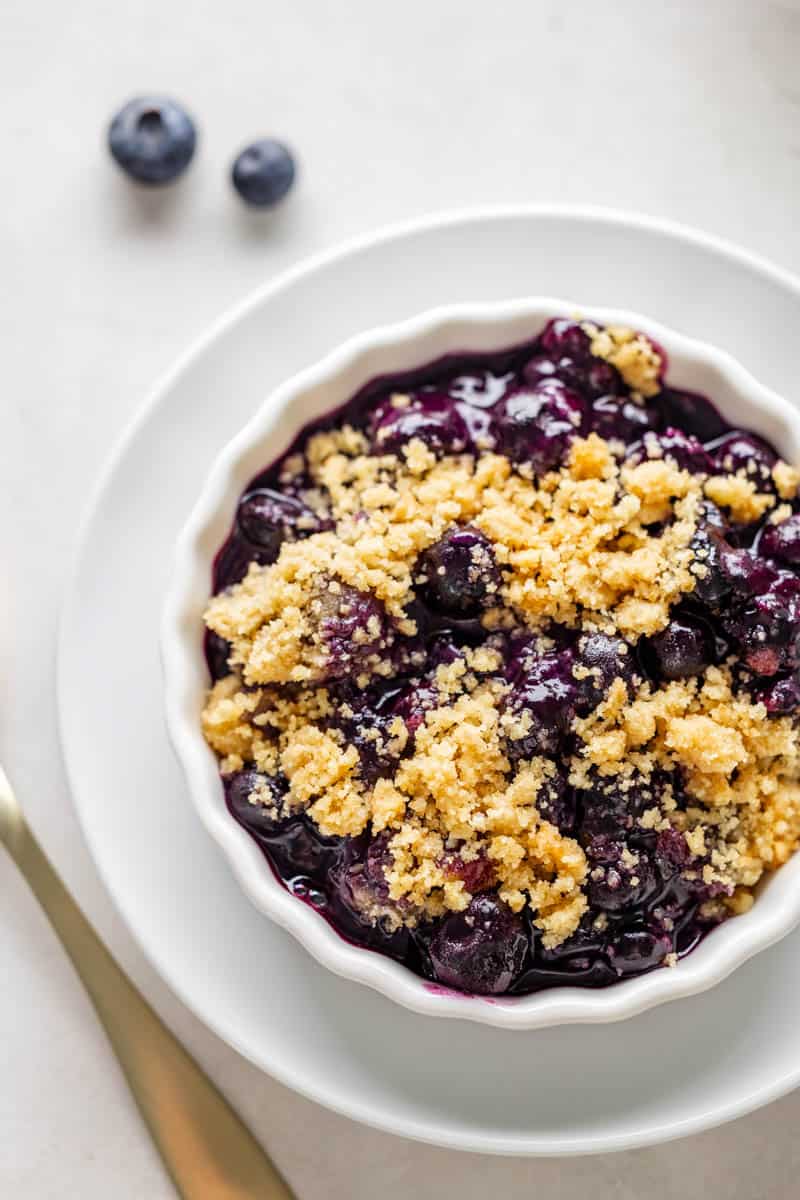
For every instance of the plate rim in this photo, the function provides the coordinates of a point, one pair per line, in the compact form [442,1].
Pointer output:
[518,1146]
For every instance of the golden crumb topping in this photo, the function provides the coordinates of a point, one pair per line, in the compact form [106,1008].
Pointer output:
[740,768]
[573,547]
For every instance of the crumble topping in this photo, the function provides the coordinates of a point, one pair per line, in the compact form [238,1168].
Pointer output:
[573,546]
[786,479]
[740,769]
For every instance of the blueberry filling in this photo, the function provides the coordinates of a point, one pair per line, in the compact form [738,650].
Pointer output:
[488,645]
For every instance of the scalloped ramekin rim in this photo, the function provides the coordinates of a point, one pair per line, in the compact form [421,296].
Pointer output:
[391,348]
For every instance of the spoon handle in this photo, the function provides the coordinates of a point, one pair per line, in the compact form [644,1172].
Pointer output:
[208,1151]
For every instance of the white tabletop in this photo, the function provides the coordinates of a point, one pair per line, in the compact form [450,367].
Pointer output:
[688,110]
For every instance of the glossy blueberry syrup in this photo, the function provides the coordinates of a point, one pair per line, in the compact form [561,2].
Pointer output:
[529,402]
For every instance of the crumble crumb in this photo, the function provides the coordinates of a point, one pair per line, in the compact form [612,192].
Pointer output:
[738,494]
[786,479]
[635,357]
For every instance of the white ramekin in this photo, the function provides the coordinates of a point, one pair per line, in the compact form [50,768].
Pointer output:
[464,327]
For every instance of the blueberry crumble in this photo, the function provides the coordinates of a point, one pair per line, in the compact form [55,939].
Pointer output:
[505,661]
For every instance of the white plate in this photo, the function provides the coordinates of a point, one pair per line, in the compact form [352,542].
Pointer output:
[669,1072]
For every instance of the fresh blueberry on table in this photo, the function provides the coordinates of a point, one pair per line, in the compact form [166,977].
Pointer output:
[263,173]
[153,139]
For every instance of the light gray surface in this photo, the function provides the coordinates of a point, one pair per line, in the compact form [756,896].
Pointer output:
[682,110]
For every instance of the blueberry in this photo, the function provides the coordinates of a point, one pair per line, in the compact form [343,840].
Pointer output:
[563,336]
[480,950]
[153,139]
[354,631]
[683,449]
[782,541]
[267,519]
[591,376]
[747,574]
[233,561]
[360,883]
[682,649]
[606,658]
[538,425]
[781,698]
[672,852]
[217,651]
[711,562]
[584,951]
[266,819]
[738,451]
[635,950]
[613,417]
[619,877]
[303,850]
[414,701]
[711,516]
[263,173]
[479,388]
[433,419]
[691,411]
[541,705]
[555,802]
[477,874]
[767,624]
[613,805]
[370,733]
[459,572]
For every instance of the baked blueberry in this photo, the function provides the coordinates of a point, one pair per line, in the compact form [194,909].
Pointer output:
[362,887]
[621,876]
[782,541]
[459,573]
[267,518]
[602,659]
[153,139]
[684,449]
[612,807]
[434,420]
[263,173]
[682,649]
[781,697]
[352,629]
[617,419]
[540,705]
[257,800]
[591,377]
[538,425]
[637,950]
[217,654]
[745,453]
[480,950]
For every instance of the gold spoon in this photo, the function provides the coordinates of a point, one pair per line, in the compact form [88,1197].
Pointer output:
[209,1152]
